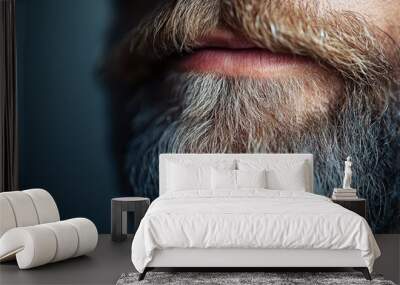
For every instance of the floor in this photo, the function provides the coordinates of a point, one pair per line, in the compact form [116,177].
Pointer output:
[110,260]
[103,266]
[389,262]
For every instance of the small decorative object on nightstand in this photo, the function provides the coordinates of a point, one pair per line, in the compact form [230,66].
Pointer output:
[357,205]
[347,196]
[346,193]
[347,173]
[119,209]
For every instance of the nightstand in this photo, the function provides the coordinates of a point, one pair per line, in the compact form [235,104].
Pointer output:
[357,205]
[119,209]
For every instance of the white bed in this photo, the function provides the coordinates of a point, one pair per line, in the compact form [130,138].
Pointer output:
[286,226]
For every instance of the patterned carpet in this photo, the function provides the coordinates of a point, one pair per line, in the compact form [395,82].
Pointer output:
[244,278]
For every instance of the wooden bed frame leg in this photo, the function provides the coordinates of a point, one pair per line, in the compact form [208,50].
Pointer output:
[143,274]
[364,271]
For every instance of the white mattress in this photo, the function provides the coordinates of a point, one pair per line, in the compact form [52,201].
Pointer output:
[251,219]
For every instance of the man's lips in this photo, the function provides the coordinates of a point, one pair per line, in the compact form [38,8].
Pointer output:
[222,52]
[222,38]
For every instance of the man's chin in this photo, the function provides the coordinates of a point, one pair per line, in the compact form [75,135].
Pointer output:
[251,108]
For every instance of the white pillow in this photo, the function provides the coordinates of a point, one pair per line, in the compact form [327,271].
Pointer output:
[188,177]
[223,179]
[291,179]
[251,178]
[281,174]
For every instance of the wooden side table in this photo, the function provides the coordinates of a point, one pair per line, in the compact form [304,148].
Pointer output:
[357,205]
[119,209]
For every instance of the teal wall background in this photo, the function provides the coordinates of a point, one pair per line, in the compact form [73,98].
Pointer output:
[64,113]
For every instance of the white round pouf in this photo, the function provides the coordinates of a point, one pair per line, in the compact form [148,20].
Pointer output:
[31,231]
[37,245]
[45,205]
[33,246]
[87,233]
[7,221]
[23,208]
[67,240]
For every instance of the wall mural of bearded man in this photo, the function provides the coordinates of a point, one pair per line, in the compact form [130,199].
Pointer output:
[264,76]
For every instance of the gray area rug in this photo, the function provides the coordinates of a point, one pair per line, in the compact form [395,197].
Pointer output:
[233,278]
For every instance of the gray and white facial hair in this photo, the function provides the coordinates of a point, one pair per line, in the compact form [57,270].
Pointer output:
[220,114]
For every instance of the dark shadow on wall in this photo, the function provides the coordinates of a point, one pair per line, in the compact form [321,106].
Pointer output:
[115,74]
[65,134]
[73,126]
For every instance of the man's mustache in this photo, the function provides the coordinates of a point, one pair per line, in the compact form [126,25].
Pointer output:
[359,51]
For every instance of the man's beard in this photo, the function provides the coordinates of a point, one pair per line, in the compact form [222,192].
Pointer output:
[219,114]
[215,113]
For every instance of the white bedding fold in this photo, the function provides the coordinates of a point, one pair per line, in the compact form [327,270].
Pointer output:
[250,219]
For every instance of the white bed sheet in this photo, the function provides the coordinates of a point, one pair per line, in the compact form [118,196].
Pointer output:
[251,218]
